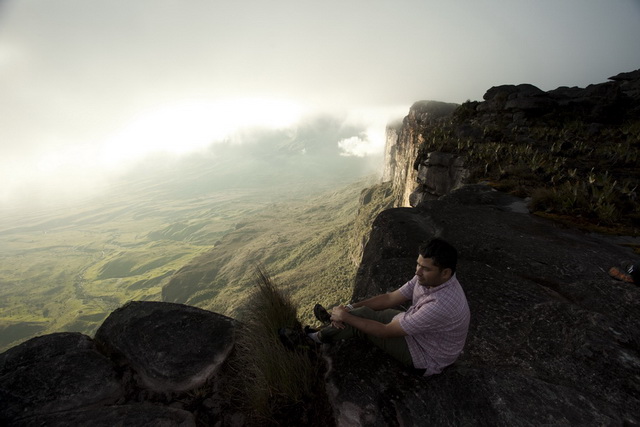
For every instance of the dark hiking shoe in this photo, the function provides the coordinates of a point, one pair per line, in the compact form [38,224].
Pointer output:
[312,336]
[309,330]
[297,340]
[288,338]
[321,314]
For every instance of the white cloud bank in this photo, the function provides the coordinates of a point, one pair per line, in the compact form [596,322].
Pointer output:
[369,143]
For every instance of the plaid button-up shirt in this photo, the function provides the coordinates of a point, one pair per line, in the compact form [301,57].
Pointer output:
[436,323]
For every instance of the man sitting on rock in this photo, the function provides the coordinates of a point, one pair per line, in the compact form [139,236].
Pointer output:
[430,335]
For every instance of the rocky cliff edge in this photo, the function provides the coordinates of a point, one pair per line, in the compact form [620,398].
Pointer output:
[553,339]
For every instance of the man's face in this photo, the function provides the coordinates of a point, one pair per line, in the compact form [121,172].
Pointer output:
[429,274]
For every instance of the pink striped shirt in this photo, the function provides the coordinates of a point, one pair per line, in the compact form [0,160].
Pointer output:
[436,323]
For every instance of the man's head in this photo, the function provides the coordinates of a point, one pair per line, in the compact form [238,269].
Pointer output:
[437,261]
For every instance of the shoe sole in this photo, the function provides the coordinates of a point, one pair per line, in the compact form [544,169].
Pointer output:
[618,274]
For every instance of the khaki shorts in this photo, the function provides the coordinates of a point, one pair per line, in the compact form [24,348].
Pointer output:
[396,347]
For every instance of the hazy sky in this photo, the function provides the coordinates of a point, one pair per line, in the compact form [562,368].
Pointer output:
[86,85]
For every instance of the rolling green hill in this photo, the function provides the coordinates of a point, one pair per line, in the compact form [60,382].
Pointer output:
[191,231]
[305,245]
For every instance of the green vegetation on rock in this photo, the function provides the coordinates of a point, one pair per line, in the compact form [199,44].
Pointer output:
[568,166]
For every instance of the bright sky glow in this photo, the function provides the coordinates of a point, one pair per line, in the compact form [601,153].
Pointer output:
[188,126]
[88,86]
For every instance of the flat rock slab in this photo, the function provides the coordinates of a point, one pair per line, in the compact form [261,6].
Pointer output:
[170,347]
[53,373]
[125,415]
[367,388]
[553,339]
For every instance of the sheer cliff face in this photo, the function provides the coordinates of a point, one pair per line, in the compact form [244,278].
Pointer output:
[561,134]
[402,145]
[400,152]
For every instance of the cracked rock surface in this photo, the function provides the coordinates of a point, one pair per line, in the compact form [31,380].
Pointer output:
[553,339]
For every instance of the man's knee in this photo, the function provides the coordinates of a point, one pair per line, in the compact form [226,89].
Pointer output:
[382,316]
[364,312]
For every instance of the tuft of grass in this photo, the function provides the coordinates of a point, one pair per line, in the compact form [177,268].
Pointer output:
[274,383]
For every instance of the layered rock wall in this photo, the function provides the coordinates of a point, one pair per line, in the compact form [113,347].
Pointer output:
[506,114]
[403,143]
[553,339]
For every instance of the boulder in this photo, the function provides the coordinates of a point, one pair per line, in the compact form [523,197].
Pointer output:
[532,104]
[609,102]
[629,83]
[438,174]
[55,373]
[170,347]
[553,339]
[502,91]
[428,111]
[151,363]
[524,98]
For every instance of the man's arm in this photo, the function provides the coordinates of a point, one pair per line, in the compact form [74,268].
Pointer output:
[378,302]
[383,301]
[368,326]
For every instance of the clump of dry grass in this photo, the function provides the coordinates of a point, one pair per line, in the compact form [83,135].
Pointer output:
[275,383]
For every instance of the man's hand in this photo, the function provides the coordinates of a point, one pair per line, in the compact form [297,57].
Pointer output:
[338,312]
[340,315]
[337,316]
[338,325]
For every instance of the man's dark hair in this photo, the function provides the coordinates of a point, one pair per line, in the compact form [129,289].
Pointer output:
[442,253]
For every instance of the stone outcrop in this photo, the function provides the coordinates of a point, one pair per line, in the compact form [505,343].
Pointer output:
[438,174]
[553,339]
[55,373]
[403,142]
[504,107]
[608,102]
[150,363]
[169,347]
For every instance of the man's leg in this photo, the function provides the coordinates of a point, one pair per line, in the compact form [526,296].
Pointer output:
[396,346]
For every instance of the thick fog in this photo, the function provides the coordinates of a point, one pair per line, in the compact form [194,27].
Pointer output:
[88,87]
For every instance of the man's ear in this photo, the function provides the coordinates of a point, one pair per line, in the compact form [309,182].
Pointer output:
[447,273]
